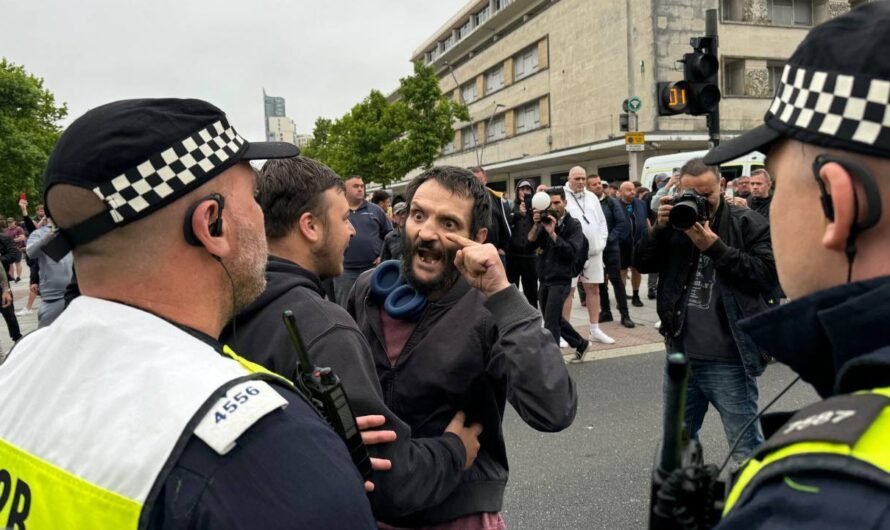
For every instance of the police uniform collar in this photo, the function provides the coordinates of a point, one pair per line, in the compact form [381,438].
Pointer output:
[827,336]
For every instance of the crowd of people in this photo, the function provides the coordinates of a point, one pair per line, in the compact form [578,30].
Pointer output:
[167,393]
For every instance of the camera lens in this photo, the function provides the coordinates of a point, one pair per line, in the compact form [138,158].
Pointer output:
[683,215]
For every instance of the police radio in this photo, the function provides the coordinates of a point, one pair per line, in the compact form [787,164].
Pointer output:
[324,390]
[692,498]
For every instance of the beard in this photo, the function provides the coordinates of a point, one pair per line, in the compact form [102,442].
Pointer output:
[328,263]
[247,268]
[440,283]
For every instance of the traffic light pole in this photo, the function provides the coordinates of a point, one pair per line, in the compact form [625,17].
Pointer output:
[713,116]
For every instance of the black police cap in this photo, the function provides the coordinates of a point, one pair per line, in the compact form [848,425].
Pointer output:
[834,92]
[140,155]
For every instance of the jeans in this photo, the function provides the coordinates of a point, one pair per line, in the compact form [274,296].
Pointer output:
[733,393]
[552,298]
[612,264]
[343,284]
[652,281]
[522,268]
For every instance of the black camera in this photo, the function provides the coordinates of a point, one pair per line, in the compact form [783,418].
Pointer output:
[688,208]
[548,216]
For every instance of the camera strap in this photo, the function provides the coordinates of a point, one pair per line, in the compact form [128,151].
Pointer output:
[583,212]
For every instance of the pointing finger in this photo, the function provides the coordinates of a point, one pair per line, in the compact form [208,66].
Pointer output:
[460,240]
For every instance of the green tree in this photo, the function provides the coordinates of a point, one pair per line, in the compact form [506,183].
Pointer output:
[427,118]
[28,130]
[317,147]
[383,141]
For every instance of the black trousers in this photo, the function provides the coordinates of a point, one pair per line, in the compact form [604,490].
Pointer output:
[552,299]
[12,323]
[521,268]
[612,264]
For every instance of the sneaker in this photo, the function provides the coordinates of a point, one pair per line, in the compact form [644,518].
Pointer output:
[563,343]
[597,335]
[657,325]
[23,311]
[636,301]
[652,294]
[627,322]
[581,350]
[605,317]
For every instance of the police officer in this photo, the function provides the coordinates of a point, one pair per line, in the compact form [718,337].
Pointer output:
[127,412]
[827,140]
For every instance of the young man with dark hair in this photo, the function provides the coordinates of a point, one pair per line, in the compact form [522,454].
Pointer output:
[521,267]
[308,228]
[560,237]
[475,345]
[382,199]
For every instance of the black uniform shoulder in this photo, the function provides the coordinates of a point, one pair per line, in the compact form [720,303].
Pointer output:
[287,470]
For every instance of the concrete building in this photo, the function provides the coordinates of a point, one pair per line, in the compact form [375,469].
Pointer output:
[281,130]
[545,79]
[303,140]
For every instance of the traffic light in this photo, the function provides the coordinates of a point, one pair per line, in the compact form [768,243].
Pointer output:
[673,98]
[623,122]
[698,92]
[700,69]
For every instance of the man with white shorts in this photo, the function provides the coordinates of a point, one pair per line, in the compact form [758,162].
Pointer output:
[585,207]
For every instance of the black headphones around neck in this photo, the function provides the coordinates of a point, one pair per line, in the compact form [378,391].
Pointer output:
[216,227]
[400,300]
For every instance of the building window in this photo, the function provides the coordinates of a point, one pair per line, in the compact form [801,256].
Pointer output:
[494,79]
[467,137]
[775,75]
[525,63]
[528,117]
[465,29]
[482,15]
[497,128]
[468,92]
[449,148]
[734,77]
[448,43]
[791,12]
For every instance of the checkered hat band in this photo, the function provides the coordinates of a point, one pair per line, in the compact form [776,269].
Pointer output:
[170,171]
[846,107]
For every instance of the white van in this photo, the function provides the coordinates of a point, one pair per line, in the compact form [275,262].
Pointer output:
[667,164]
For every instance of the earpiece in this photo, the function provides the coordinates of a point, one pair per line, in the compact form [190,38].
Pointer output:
[400,300]
[215,228]
[872,194]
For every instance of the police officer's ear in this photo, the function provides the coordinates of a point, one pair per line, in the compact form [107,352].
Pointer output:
[841,184]
[481,235]
[203,225]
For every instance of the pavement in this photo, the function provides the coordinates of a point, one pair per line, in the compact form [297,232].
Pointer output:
[641,339]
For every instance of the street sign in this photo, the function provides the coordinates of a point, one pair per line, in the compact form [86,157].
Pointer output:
[635,141]
[636,138]
[634,104]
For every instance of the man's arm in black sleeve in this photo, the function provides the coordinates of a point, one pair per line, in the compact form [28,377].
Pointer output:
[754,267]
[424,470]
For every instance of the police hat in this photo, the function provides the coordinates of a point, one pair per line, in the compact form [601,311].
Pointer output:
[140,155]
[834,92]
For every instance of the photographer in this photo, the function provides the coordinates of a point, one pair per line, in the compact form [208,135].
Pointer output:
[715,263]
[561,238]
[520,258]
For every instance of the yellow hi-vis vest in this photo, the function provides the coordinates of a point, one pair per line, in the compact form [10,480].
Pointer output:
[848,434]
[96,409]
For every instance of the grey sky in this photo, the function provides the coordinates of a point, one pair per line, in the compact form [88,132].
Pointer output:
[322,56]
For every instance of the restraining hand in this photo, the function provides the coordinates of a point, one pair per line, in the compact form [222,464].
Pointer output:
[480,264]
[468,435]
[373,437]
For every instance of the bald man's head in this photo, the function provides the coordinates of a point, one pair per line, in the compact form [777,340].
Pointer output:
[627,192]
[577,179]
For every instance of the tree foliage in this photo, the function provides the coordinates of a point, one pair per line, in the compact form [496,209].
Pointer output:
[28,130]
[382,141]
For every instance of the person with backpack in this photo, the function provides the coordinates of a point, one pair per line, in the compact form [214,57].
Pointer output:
[564,251]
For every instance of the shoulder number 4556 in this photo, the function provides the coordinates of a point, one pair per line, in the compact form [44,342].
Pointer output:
[231,405]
